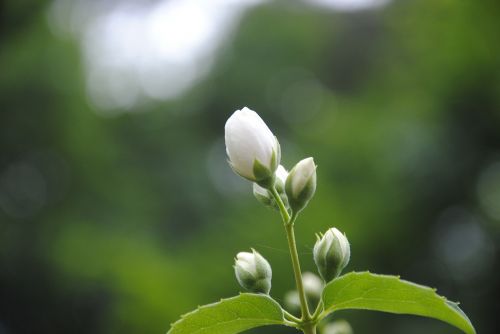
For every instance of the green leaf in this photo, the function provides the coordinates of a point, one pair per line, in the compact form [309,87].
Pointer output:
[230,316]
[384,293]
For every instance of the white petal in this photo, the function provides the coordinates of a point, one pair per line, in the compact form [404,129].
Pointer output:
[344,244]
[249,267]
[245,257]
[312,283]
[328,238]
[248,138]
[304,170]
[281,173]
[246,261]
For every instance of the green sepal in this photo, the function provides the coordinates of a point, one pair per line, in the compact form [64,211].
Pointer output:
[265,200]
[280,186]
[264,177]
[269,201]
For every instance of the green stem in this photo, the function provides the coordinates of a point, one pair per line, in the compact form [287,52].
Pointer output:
[296,269]
[291,317]
[293,324]
[284,212]
[308,327]
[318,312]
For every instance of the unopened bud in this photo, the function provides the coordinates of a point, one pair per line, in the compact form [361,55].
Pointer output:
[301,184]
[313,286]
[264,196]
[253,151]
[331,254]
[292,301]
[281,175]
[338,327]
[253,272]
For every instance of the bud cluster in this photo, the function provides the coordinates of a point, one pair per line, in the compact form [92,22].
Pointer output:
[265,197]
[254,153]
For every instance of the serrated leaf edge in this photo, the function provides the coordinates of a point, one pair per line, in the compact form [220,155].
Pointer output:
[185,315]
[451,304]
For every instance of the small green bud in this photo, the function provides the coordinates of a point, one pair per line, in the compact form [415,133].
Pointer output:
[331,254]
[253,272]
[264,196]
[301,184]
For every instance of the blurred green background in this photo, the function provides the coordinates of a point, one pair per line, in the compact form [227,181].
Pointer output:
[119,213]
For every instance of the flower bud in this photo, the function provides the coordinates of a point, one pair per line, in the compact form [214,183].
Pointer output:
[331,254]
[281,175]
[292,301]
[313,286]
[264,196]
[338,327]
[253,272]
[301,184]
[253,150]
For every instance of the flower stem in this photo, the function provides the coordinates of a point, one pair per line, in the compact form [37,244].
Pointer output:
[296,269]
[284,212]
[291,317]
[310,328]
[307,327]
[319,309]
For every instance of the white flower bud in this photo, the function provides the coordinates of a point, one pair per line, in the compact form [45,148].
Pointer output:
[313,286]
[331,254]
[253,150]
[292,301]
[301,184]
[281,175]
[338,327]
[253,272]
[264,196]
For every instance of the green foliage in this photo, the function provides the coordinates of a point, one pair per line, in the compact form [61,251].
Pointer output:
[230,316]
[385,293]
